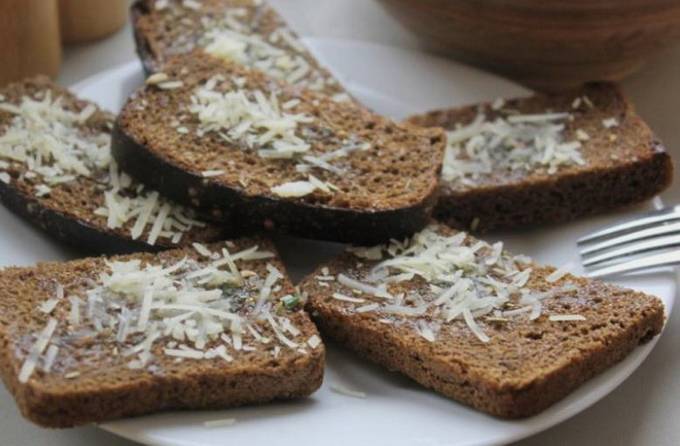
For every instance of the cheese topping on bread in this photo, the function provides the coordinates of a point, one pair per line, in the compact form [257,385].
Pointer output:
[248,33]
[435,278]
[195,308]
[265,124]
[47,144]
[507,143]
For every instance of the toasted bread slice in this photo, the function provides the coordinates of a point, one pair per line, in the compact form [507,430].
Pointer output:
[468,320]
[244,147]
[98,339]
[56,171]
[593,153]
[248,32]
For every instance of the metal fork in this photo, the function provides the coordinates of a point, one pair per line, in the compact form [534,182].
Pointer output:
[644,242]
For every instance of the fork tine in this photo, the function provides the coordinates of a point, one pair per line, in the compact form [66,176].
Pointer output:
[632,249]
[660,216]
[669,229]
[657,260]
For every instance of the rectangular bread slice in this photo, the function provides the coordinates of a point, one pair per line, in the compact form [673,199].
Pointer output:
[248,32]
[96,339]
[488,329]
[56,171]
[253,151]
[546,159]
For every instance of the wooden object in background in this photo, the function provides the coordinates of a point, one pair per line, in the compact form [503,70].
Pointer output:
[546,44]
[29,39]
[85,20]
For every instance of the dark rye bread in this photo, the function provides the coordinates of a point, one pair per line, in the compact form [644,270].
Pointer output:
[164,28]
[385,191]
[106,388]
[625,164]
[526,365]
[67,212]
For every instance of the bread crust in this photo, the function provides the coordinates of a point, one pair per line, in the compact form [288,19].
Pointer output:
[108,389]
[369,209]
[388,349]
[260,213]
[625,164]
[138,10]
[67,213]
[527,365]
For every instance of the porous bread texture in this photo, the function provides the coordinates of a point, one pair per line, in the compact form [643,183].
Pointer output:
[176,29]
[524,368]
[68,211]
[625,164]
[393,182]
[106,388]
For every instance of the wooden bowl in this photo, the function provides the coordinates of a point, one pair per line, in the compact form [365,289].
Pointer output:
[83,21]
[546,44]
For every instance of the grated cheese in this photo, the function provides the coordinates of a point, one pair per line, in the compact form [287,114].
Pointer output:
[36,350]
[509,143]
[212,173]
[356,300]
[294,189]
[466,280]
[249,118]
[194,309]
[54,145]
[237,37]
[314,341]
[342,390]
[566,317]
[559,273]
[610,123]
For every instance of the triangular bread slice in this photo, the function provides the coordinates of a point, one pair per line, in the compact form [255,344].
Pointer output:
[471,321]
[56,171]
[545,159]
[248,32]
[96,339]
[253,151]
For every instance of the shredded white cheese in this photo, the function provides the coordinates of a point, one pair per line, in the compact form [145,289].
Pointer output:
[294,189]
[509,143]
[196,309]
[342,390]
[248,117]
[54,144]
[610,123]
[464,280]
[566,317]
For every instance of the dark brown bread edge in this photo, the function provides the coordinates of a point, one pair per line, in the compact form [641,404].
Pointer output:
[389,351]
[296,379]
[560,198]
[142,45]
[263,213]
[73,232]
[291,378]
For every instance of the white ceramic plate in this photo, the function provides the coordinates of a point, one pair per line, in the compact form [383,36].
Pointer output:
[396,411]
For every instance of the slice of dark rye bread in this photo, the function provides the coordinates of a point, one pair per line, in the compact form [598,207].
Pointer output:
[49,320]
[458,325]
[623,163]
[246,31]
[38,116]
[356,178]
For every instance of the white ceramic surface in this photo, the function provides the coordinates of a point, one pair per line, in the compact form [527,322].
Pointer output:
[396,411]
